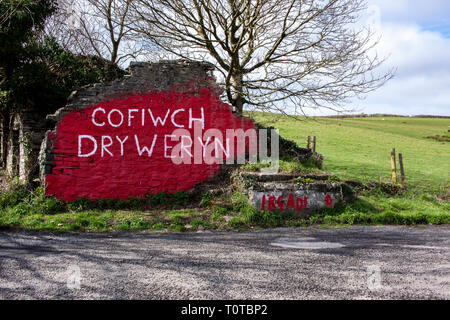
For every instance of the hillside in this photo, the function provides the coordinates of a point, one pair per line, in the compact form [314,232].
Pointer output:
[353,148]
[359,148]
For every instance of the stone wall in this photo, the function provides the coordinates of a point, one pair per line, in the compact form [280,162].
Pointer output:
[301,194]
[300,199]
[116,140]
[22,133]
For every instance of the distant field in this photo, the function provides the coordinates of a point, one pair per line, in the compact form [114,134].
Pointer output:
[359,148]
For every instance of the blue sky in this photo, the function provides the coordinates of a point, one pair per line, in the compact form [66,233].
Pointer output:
[431,15]
[415,34]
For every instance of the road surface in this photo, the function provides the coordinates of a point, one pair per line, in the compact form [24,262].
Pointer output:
[386,262]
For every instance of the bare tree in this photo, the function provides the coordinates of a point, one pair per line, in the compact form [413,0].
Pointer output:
[272,54]
[99,27]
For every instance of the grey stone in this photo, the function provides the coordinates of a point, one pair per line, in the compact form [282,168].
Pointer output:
[318,196]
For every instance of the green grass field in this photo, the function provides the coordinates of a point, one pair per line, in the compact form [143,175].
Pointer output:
[353,149]
[359,148]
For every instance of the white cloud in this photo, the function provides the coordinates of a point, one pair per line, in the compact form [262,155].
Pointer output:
[422,82]
[417,11]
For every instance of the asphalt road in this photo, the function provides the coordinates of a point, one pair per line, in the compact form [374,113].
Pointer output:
[353,263]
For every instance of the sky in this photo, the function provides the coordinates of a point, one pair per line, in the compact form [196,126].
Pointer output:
[415,35]
[415,38]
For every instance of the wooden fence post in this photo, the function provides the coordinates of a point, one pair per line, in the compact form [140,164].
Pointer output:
[308,143]
[393,166]
[402,171]
[314,144]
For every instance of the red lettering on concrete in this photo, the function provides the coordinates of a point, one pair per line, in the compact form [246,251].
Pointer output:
[290,203]
[328,201]
[299,204]
[271,205]
[280,203]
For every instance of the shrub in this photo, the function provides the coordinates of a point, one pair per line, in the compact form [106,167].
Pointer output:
[218,213]
[17,193]
[81,204]
[239,201]
[236,222]
[205,200]
[179,197]
[157,198]
[20,209]
[45,205]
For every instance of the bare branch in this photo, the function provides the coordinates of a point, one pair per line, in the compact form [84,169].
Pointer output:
[102,28]
[278,55]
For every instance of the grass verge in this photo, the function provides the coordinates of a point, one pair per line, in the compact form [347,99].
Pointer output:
[353,148]
[22,209]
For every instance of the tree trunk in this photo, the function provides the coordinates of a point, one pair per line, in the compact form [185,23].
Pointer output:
[238,97]
[4,138]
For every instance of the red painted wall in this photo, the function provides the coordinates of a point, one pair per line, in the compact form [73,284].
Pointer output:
[121,172]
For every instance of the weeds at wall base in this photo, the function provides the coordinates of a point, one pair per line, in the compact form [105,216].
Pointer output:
[25,208]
